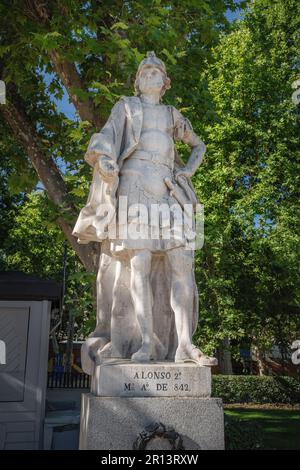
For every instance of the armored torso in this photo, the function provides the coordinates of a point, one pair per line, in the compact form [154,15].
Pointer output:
[153,159]
[142,178]
[157,132]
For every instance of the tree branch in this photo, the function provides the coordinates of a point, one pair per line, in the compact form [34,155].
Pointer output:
[71,79]
[23,130]
[40,11]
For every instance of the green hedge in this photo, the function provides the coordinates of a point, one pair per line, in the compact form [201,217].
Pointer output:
[256,389]
[242,435]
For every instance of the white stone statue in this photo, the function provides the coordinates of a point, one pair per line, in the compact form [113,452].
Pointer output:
[147,300]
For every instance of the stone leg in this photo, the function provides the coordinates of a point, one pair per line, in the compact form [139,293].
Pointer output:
[182,286]
[142,298]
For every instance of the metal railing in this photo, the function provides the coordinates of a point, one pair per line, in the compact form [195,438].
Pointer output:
[68,380]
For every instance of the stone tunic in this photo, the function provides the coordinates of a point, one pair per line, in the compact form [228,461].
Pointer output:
[142,182]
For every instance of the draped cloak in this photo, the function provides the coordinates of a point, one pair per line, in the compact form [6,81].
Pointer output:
[116,321]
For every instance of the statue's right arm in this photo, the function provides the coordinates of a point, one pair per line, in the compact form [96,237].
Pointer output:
[104,146]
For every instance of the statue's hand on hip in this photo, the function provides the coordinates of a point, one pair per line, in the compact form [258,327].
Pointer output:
[107,168]
[184,171]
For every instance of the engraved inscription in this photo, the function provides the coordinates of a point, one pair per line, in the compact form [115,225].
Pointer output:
[152,382]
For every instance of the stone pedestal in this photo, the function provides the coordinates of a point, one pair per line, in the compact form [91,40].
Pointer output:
[130,400]
[123,378]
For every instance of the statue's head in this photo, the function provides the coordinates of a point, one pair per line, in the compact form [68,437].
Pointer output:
[151,76]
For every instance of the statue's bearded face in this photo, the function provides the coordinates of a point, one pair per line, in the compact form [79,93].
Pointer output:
[151,80]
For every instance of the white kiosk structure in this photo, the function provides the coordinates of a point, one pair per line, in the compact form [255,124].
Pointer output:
[25,308]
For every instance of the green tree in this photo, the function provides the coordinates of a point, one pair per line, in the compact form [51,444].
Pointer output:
[34,244]
[248,270]
[91,49]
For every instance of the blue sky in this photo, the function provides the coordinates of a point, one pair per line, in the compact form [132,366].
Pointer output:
[63,105]
[233,15]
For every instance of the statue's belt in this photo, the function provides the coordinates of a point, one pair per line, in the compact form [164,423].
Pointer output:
[154,157]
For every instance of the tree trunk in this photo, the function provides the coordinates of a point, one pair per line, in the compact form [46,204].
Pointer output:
[261,362]
[225,362]
[48,173]
[40,11]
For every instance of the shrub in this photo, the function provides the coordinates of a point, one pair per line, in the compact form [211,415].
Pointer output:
[242,435]
[256,389]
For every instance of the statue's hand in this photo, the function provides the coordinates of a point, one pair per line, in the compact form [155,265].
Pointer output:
[184,171]
[107,167]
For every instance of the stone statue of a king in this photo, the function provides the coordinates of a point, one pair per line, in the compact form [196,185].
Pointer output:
[147,299]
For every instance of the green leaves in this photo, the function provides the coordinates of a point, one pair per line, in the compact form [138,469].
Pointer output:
[119,25]
[169,56]
[105,92]
[248,284]
[47,41]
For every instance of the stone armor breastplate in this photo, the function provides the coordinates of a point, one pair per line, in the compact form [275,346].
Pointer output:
[156,143]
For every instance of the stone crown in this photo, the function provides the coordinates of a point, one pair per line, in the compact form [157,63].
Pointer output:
[152,60]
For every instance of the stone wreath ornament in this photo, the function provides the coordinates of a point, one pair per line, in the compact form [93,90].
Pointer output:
[158,430]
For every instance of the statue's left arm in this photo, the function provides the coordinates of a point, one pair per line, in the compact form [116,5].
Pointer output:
[184,132]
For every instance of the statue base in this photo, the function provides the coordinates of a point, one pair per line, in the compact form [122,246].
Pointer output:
[151,406]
